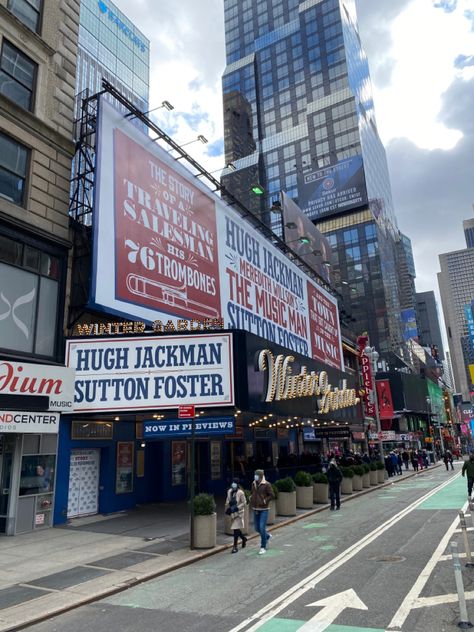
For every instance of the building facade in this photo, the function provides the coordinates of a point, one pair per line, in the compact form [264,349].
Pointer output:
[111,47]
[456,285]
[468,227]
[37,85]
[297,74]
[429,331]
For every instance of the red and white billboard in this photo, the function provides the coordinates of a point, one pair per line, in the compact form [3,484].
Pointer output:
[166,246]
[384,398]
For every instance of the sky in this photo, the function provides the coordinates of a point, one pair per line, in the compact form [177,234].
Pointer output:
[421,57]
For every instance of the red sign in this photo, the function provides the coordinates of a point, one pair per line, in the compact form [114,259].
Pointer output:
[366,370]
[384,396]
[324,328]
[165,236]
[186,411]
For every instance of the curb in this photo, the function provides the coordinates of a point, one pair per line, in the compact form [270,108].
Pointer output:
[197,558]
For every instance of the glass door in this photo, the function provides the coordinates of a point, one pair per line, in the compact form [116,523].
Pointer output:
[6,459]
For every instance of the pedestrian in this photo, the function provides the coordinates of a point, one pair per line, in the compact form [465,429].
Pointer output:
[334,476]
[414,460]
[420,459]
[235,508]
[424,456]
[405,458]
[399,463]
[262,494]
[450,459]
[468,468]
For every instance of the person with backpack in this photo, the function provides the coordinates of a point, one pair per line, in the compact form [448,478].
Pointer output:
[234,508]
[334,476]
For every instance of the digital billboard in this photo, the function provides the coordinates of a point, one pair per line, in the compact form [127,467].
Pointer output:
[335,188]
[166,246]
[410,327]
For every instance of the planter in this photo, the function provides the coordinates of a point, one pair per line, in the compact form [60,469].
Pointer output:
[320,493]
[271,512]
[346,486]
[286,504]
[380,476]
[373,477]
[205,531]
[304,497]
[357,483]
[366,480]
[228,521]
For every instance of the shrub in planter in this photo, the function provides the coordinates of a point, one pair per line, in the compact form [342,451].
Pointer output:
[373,466]
[346,485]
[380,472]
[272,507]
[286,500]
[366,475]
[357,480]
[205,521]
[320,488]
[304,490]
[373,474]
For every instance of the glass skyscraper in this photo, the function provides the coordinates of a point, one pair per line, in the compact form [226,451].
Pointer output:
[111,47]
[299,117]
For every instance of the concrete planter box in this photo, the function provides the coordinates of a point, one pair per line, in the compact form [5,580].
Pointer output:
[320,493]
[304,497]
[366,480]
[272,512]
[228,520]
[205,531]
[373,477]
[357,483]
[380,476]
[346,486]
[286,504]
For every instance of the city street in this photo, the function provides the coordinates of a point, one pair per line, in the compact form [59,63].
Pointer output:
[381,563]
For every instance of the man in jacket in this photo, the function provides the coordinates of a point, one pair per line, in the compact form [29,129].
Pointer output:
[262,494]
[468,468]
[334,475]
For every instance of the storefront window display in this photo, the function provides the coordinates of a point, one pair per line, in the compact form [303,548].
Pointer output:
[37,474]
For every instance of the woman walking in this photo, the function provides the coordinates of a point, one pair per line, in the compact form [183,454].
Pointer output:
[234,507]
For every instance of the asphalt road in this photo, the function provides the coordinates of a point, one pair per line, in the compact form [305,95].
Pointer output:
[381,563]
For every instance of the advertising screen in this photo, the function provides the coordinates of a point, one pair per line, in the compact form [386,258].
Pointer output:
[335,188]
[410,328]
[166,246]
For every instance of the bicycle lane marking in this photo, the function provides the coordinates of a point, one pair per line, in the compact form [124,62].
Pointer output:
[274,607]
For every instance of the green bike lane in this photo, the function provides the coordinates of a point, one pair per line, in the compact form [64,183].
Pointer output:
[227,592]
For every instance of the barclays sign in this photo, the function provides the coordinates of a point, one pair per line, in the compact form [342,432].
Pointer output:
[103,8]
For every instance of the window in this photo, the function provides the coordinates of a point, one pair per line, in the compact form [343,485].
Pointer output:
[17,76]
[30,279]
[13,167]
[27,11]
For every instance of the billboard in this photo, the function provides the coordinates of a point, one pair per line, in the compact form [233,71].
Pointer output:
[151,372]
[305,239]
[410,328]
[165,246]
[384,398]
[338,187]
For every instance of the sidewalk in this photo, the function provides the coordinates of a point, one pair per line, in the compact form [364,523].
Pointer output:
[58,569]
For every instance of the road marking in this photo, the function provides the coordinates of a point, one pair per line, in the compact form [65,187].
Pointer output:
[331,609]
[425,602]
[408,603]
[308,583]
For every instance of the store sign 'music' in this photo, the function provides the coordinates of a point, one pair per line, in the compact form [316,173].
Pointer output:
[282,384]
[55,382]
[173,249]
[152,372]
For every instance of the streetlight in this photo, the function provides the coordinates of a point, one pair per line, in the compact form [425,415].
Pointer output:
[373,356]
[438,425]
[200,139]
[164,104]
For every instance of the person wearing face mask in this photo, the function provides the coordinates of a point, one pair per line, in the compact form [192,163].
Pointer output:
[262,494]
[234,507]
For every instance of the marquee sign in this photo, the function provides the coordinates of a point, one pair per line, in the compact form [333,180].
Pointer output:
[204,426]
[152,372]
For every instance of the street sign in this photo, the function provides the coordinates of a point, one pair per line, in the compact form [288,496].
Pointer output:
[186,411]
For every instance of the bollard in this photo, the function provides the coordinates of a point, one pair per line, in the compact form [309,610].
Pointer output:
[464,622]
[467,548]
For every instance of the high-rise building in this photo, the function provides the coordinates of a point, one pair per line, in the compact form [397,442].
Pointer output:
[111,47]
[456,285]
[429,331]
[298,76]
[468,227]
[37,79]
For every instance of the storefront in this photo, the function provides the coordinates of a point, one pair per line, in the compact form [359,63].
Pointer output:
[125,445]
[32,397]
